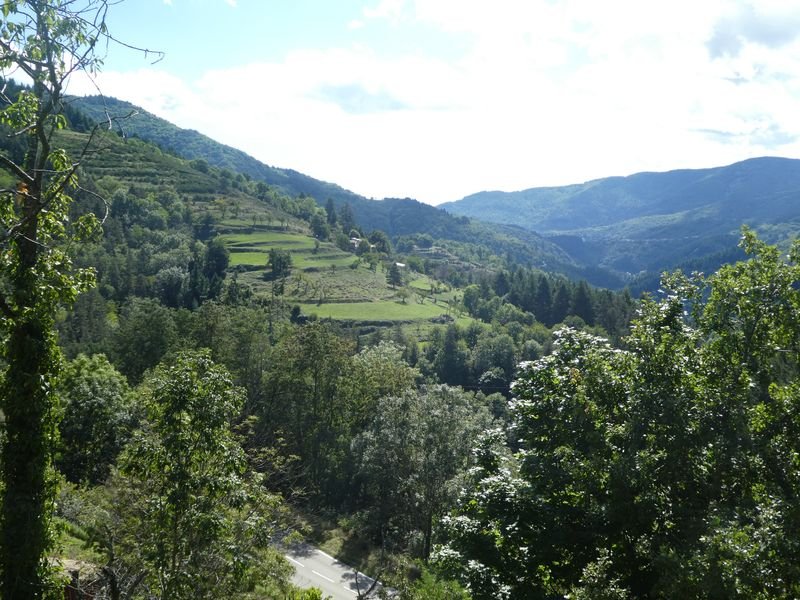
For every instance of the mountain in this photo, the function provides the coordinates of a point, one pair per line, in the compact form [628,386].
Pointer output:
[396,216]
[132,121]
[653,221]
[612,231]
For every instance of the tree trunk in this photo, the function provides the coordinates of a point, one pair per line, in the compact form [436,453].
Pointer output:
[427,535]
[30,429]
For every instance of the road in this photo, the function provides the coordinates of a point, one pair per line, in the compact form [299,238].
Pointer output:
[314,568]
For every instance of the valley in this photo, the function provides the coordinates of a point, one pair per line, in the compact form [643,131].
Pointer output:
[208,360]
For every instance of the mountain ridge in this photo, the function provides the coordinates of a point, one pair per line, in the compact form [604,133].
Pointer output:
[653,220]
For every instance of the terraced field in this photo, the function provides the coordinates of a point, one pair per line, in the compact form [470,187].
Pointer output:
[324,280]
[388,310]
[251,249]
[330,283]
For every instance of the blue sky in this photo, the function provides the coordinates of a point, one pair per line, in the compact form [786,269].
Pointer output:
[437,99]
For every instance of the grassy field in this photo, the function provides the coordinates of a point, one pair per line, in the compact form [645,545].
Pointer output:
[252,249]
[321,261]
[387,310]
[269,239]
[249,258]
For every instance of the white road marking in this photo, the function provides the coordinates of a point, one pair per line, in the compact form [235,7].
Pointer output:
[321,575]
[326,555]
[351,591]
[297,562]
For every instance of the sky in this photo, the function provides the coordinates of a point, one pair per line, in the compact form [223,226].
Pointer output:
[438,99]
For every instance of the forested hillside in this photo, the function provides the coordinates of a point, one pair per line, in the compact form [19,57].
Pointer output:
[203,370]
[204,275]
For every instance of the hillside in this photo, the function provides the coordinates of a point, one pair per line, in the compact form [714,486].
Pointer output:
[396,217]
[653,221]
[134,122]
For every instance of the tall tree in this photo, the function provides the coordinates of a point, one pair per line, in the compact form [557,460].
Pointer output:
[417,443]
[347,219]
[582,303]
[562,300]
[394,277]
[45,41]
[330,210]
[279,263]
[543,301]
[302,400]
[200,520]
[98,418]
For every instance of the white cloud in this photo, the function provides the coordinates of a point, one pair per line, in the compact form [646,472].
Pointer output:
[546,94]
[386,9]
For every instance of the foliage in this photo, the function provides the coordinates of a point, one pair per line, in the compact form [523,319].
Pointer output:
[199,518]
[300,399]
[393,276]
[279,264]
[410,456]
[430,587]
[661,471]
[98,418]
[145,334]
[46,41]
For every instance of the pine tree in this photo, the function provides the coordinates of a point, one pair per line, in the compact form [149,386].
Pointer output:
[393,276]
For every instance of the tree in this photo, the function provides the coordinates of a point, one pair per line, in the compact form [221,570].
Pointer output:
[363,247]
[581,305]
[347,220]
[417,443]
[301,400]
[429,587]
[543,300]
[319,226]
[562,301]
[170,286]
[145,334]
[199,518]
[279,263]
[450,356]
[380,240]
[98,418]
[375,372]
[471,297]
[217,259]
[394,277]
[330,211]
[45,41]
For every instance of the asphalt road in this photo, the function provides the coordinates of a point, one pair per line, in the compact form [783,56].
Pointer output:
[314,568]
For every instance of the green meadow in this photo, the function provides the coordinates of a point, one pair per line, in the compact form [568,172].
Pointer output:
[387,310]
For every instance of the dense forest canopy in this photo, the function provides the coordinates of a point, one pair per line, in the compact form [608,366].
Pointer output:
[663,469]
